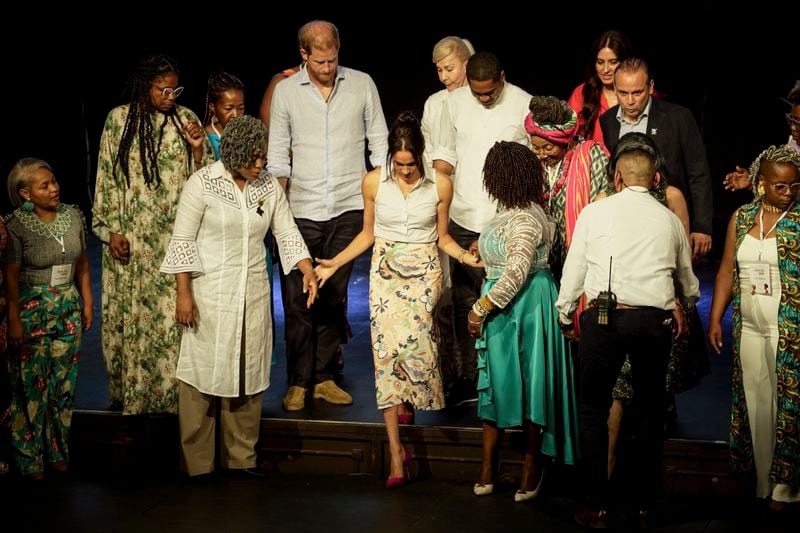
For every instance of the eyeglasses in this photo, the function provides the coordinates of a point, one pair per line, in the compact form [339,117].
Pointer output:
[166,92]
[782,188]
[793,121]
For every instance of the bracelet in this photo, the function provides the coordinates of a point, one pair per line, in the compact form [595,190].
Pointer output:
[461,255]
[482,306]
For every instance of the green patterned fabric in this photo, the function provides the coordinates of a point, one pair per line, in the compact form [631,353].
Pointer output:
[786,460]
[139,336]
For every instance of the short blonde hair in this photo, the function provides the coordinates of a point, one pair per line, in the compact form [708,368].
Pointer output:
[462,48]
[19,176]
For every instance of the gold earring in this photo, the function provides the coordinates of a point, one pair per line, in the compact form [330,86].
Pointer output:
[760,188]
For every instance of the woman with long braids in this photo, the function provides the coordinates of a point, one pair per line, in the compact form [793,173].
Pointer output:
[224,101]
[525,372]
[149,147]
[759,271]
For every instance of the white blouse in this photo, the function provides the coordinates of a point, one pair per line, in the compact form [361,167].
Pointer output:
[406,219]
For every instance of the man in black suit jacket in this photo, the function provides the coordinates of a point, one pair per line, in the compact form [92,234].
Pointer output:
[675,132]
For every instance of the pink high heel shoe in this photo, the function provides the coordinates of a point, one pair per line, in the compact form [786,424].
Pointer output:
[399,481]
[405,418]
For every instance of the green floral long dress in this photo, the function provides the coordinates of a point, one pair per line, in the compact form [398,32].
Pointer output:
[140,338]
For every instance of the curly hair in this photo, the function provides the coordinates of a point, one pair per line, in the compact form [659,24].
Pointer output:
[774,154]
[512,175]
[139,122]
[243,141]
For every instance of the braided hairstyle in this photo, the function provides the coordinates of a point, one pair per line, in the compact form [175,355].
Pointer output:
[593,87]
[512,175]
[139,123]
[549,110]
[218,83]
[774,154]
[406,136]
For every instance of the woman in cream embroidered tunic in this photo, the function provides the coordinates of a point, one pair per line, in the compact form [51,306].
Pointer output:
[223,298]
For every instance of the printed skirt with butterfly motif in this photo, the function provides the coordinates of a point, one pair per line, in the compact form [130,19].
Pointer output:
[405,282]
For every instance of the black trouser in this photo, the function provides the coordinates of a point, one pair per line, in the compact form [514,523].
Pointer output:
[467,283]
[646,336]
[313,335]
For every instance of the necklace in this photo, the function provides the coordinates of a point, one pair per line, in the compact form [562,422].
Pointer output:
[563,178]
[55,229]
[770,208]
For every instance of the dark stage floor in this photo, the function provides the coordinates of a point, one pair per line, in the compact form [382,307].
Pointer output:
[702,412]
[149,501]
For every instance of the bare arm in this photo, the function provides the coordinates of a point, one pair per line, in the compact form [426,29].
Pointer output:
[447,244]
[723,288]
[677,204]
[185,312]
[327,267]
[83,281]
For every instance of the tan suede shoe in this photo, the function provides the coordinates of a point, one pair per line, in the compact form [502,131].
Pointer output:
[328,391]
[295,398]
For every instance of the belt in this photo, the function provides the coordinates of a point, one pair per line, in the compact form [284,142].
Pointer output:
[593,305]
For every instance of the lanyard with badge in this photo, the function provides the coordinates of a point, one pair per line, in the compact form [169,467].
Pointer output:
[759,271]
[60,274]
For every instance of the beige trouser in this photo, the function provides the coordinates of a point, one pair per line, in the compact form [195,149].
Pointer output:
[239,424]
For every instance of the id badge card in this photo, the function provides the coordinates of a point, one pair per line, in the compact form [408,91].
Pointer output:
[60,274]
[760,279]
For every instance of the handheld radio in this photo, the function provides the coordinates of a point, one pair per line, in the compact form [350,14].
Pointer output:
[606,301]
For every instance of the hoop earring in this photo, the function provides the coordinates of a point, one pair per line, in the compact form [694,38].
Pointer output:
[27,205]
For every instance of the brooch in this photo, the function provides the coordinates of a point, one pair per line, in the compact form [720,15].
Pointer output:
[260,205]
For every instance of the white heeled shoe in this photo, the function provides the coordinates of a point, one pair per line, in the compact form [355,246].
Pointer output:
[525,495]
[483,489]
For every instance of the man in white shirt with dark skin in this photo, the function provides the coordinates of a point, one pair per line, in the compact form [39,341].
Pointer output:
[325,116]
[642,247]
[488,109]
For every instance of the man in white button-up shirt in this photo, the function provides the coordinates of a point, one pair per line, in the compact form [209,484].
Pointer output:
[320,123]
[651,257]
[488,109]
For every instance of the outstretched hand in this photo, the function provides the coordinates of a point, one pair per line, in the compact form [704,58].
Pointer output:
[737,180]
[324,270]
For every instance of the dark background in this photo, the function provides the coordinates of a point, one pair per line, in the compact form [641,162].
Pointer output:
[60,80]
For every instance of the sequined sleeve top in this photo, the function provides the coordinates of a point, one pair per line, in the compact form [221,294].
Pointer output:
[514,244]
